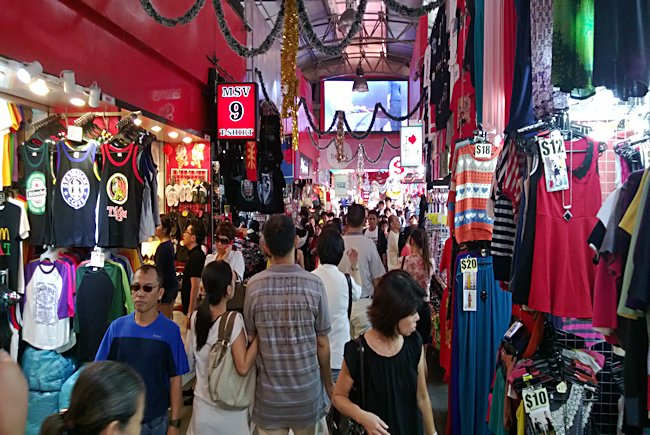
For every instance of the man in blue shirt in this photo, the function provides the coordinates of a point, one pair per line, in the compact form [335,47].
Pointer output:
[152,345]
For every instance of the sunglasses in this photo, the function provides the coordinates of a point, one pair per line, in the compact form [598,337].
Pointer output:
[147,288]
[223,240]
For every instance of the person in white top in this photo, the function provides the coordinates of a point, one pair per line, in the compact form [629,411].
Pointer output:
[225,235]
[207,416]
[393,243]
[330,251]
[370,267]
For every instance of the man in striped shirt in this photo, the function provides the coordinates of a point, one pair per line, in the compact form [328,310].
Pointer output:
[287,308]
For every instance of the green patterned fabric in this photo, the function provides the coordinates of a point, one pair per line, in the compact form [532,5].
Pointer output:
[573,47]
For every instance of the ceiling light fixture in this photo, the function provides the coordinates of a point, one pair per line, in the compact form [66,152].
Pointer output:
[29,72]
[94,92]
[76,101]
[360,84]
[39,87]
[187,139]
[156,128]
[173,134]
[68,81]
[137,121]
[346,19]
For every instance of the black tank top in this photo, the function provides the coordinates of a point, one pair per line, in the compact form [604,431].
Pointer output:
[75,196]
[38,186]
[120,197]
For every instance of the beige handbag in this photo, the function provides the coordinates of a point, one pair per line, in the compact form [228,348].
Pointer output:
[227,387]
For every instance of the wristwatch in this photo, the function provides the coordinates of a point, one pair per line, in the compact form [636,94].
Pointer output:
[174,423]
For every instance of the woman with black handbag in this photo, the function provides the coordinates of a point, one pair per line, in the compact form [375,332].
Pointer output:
[386,365]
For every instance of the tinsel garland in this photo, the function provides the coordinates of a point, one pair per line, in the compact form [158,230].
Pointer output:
[385,142]
[315,40]
[407,11]
[186,18]
[340,136]
[240,49]
[288,60]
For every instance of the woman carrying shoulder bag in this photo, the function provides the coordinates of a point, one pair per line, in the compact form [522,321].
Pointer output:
[396,397]
[208,417]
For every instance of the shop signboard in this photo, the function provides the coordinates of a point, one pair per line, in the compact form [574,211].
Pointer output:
[411,146]
[237,111]
[305,165]
[341,185]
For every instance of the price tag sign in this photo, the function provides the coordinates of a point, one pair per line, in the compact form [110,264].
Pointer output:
[553,155]
[75,133]
[469,268]
[535,399]
[483,150]
[468,264]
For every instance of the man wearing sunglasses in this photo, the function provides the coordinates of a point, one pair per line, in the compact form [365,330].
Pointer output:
[151,344]
[192,239]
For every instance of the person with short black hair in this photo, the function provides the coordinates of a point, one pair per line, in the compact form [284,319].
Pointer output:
[108,398]
[375,234]
[394,360]
[164,259]
[192,239]
[369,265]
[331,249]
[151,344]
[294,372]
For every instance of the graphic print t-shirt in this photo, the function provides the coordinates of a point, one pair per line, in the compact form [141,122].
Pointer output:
[14,227]
[42,326]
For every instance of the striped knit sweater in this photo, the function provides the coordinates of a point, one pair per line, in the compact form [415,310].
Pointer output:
[471,186]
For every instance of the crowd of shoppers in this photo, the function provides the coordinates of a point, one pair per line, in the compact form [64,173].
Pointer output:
[303,328]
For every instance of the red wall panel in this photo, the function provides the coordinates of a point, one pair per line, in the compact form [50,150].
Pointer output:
[133,58]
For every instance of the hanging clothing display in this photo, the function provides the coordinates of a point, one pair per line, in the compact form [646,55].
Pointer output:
[562,283]
[103,295]
[120,197]
[573,47]
[541,43]
[481,314]
[493,96]
[14,228]
[38,188]
[622,47]
[75,196]
[46,322]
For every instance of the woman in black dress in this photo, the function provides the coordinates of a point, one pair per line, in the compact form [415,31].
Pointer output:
[396,396]
[164,259]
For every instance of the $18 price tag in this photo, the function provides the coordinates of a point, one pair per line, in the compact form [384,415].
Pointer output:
[483,150]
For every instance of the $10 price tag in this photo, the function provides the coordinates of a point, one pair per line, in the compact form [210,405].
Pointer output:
[535,399]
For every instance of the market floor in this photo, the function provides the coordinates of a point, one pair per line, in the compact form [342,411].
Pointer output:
[437,388]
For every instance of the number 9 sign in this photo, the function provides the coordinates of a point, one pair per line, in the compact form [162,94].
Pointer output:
[236,110]
[237,106]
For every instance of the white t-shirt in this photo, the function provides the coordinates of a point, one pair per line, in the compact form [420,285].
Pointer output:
[235,260]
[393,251]
[336,287]
[370,265]
[42,327]
[372,235]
